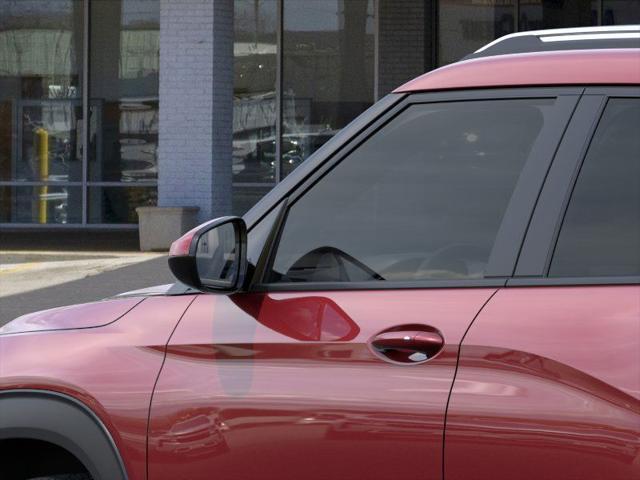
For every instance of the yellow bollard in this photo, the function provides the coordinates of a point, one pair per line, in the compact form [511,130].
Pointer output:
[42,138]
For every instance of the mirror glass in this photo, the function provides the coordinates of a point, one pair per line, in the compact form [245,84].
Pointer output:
[216,256]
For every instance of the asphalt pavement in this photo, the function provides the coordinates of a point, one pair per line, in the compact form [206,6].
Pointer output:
[33,278]
[95,287]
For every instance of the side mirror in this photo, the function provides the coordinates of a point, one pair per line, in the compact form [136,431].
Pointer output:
[213,256]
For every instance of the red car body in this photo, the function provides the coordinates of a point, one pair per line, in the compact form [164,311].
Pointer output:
[533,382]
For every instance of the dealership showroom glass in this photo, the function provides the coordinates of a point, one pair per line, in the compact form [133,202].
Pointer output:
[109,105]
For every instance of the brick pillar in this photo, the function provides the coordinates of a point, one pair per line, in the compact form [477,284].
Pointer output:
[196,105]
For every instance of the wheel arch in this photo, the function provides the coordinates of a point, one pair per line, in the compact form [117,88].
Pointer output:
[64,421]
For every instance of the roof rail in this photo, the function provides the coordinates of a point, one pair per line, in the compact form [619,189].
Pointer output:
[619,36]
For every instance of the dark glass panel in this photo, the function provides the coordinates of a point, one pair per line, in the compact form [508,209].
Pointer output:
[40,89]
[542,14]
[118,204]
[620,12]
[124,90]
[43,204]
[254,104]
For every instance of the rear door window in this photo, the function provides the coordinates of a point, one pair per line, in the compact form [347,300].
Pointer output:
[421,199]
[600,235]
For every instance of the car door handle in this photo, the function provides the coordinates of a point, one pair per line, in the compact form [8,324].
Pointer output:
[408,346]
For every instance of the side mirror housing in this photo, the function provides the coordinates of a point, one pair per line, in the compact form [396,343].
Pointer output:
[213,256]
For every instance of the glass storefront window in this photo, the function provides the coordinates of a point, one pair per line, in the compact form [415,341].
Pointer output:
[327,63]
[48,144]
[620,12]
[123,126]
[44,204]
[466,25]
[40,89]
[254,91]
[42,153]
[125,59]
[118,204]
[541,14]
[328,72]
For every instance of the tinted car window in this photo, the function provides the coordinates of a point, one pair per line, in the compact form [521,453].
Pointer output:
[600,235]
[423,198]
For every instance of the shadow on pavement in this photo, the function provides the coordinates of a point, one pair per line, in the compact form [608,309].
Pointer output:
[88,289]
[70,240]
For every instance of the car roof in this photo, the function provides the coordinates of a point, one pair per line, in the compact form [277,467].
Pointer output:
[565,67]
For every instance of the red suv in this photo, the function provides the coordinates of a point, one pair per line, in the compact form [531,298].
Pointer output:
[448,289]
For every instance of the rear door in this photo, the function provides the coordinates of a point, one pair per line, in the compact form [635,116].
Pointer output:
[339,361]
[548,382]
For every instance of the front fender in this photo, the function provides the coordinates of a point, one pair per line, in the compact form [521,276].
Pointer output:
[63,421]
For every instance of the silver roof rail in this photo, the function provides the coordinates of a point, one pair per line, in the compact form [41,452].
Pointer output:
[619,36]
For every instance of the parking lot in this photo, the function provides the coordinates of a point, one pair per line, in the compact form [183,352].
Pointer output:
[84,270]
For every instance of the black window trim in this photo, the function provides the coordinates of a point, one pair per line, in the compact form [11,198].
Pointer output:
[572,281]
[520,209]
[540,242]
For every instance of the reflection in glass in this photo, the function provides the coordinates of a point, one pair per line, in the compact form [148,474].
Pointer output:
[40,88]
[541,14]
[328,57]
[118,204]
[216,257]
[124,90]
[42,204]
[466,25]
[254,104]
[50,149]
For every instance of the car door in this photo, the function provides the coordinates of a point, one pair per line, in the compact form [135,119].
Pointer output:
[548,382]
[337,362]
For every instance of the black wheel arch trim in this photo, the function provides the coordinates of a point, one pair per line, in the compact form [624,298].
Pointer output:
[63,421]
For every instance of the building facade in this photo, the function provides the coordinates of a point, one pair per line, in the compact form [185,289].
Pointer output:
[107,105]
